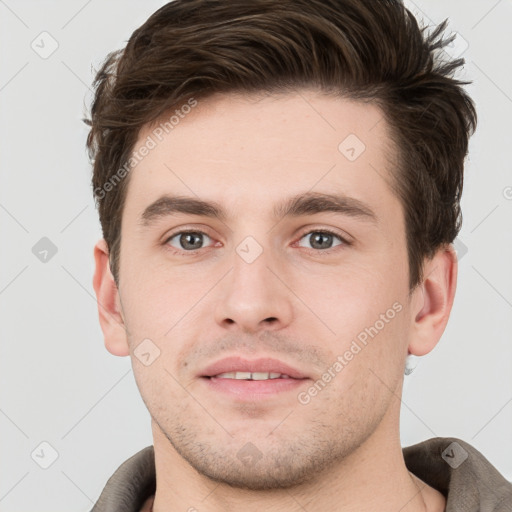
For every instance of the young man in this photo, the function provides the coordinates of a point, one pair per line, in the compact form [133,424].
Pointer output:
[278,184]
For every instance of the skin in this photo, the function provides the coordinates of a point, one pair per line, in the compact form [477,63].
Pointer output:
[341,451]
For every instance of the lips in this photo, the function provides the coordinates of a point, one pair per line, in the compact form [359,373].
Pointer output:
[238,368]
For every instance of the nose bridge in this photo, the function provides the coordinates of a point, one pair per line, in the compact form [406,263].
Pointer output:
[253,295]
[251,266]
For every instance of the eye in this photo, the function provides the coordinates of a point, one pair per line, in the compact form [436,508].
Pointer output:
[322,239]
[187,240]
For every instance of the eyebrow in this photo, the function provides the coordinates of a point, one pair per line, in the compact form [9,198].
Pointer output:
[309,203]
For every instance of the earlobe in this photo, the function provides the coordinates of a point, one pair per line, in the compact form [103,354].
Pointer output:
[433,301]
[109,307]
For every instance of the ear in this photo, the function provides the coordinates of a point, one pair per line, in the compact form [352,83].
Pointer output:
[109,305]
[432,301]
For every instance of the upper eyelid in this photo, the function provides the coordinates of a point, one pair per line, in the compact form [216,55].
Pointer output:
[186,230]
[325,230]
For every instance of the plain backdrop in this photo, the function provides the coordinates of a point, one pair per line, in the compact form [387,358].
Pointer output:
[69,404]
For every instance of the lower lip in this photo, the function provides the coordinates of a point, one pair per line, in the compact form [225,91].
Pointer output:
[253,389]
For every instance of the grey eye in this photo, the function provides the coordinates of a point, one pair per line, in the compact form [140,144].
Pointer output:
[188,240]
[321,239]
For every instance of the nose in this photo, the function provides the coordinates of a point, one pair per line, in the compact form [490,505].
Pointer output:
[254,296]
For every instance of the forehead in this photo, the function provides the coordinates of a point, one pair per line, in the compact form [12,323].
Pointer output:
[248,149]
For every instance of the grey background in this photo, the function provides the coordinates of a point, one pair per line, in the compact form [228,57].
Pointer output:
[60,386]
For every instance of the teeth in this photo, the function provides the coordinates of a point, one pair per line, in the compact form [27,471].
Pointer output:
[252,376]
[259,376]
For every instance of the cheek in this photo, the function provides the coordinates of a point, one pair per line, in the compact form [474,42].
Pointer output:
[154,300]
[352,297]
[368,317]
[371,373]
[158,388]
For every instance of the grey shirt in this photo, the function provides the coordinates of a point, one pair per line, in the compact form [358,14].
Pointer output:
[469,482]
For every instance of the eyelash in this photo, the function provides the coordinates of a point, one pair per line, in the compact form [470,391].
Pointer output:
[183,252]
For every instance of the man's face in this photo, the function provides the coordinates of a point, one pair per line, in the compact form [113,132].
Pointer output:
[253,286]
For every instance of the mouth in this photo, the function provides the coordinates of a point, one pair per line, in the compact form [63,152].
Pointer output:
[251,375]
[250,380]
[236,367]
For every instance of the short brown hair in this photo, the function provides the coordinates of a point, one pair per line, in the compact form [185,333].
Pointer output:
[366,50]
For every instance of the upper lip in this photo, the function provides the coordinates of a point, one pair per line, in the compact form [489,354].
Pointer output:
[239,364]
